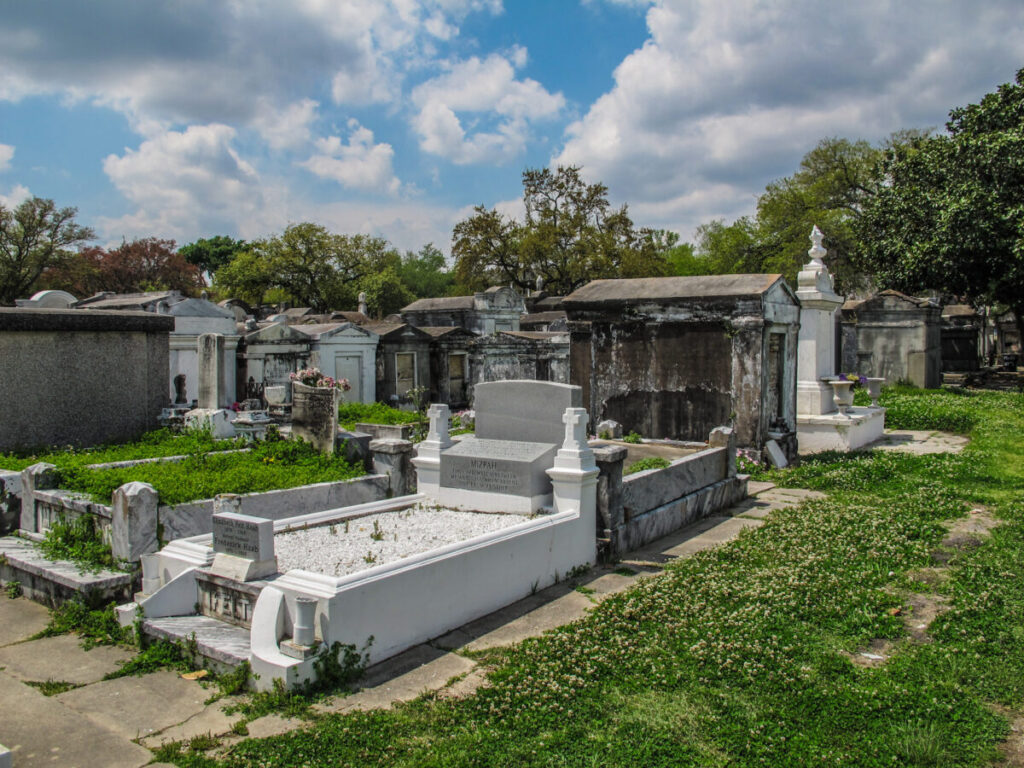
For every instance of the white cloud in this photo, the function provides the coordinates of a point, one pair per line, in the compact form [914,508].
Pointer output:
[6,155]
[486,87]
[725,97]
[223,61]
[15,197]
[358,164]
[182,183]
[289,127]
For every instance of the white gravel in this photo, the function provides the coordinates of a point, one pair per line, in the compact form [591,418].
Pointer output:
[344,548]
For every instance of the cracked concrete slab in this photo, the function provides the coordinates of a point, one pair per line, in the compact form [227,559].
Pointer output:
[62,658]
[20,619]
[135,707]
[212,720]
[41,731]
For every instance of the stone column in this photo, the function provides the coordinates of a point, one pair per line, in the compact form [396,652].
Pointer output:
[393,458]
[211,354]
[610,460]
[724,437]
[816,342]
[134,521]
[574,474]
[428,453]
[40,477]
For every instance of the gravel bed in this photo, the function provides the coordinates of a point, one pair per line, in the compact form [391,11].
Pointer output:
[341,549]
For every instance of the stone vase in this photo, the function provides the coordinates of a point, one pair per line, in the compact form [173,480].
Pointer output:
[315,415]
[842,395]
[874,390]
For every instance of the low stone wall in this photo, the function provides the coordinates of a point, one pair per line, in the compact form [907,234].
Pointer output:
[637,509]
[53,583]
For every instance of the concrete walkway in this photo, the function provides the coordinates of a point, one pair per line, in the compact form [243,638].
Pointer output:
[111,723]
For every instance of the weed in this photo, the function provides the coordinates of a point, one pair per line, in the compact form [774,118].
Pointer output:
[96,626]
[13,590]
[633,437]
[378,534]
[651,462]
[369,558]
[80,541]
[160,654]
[52,687]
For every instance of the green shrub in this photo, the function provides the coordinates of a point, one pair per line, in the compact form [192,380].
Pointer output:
[633,437]
[155,444]
[269,465]
[651,462]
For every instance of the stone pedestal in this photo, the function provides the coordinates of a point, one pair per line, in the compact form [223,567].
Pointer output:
[315,415]
[428,454]
[820,424]
[211,354]
[393,458]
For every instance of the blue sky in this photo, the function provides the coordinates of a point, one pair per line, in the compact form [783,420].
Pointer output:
[192,118]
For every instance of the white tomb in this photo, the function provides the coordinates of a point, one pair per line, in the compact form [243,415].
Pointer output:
[825,422]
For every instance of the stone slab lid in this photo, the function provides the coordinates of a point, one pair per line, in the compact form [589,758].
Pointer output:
[444,302]
[25,319]
[638,289]
[523,409]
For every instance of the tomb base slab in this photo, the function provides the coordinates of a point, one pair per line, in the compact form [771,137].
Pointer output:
[840,432]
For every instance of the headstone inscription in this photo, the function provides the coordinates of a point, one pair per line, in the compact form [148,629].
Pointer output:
[243,544]
[498,466]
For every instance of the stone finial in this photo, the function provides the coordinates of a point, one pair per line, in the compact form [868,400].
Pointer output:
[575,420]
[817,251]
[362,302]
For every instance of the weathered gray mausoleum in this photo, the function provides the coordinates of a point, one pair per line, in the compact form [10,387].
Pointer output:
[895,337]
[675,357]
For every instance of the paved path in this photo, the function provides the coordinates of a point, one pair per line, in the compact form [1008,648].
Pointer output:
[110,724]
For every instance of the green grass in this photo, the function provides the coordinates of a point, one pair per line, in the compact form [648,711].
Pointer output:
[651,462]
[269,465]
[80,541]
[158,443]
[739,656]
[52,687]
[350,414]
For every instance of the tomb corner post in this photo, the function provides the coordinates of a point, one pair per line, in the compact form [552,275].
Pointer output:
[393,458]
[38,477]
[133,529]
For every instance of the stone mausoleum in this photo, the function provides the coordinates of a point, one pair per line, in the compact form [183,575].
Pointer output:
[676,357]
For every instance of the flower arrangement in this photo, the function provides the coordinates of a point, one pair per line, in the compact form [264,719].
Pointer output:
[858,379]
[314,377]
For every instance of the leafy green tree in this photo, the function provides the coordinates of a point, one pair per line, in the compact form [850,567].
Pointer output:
[950,215]
[425,274]
[570,235]
[724,249]
[313,266]
[248,276]
[386,293]
[34,236]
[211,253]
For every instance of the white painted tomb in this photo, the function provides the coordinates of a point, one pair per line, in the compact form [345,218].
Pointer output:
[824,421]
[400,571]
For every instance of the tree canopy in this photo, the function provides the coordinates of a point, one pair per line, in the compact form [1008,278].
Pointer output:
[950,215]
[211,253]
[570,236]
[34,236]
[316,268]
[146,264]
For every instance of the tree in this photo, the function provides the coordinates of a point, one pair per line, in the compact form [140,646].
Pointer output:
[34,236]
[212,253]
[425,274]
[314,267]
[147,264]
[570,236]
[385,291]
[950,215]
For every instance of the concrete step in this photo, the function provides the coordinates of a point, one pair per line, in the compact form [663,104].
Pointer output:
[220,645]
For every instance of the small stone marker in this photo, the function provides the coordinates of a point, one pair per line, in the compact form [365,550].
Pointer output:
[244,546]
[775,454]
[609,428]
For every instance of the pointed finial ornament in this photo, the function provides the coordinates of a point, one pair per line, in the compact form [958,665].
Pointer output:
[816,251]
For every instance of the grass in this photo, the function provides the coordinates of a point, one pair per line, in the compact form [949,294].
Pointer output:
[52,687]
[80,541]
[158,443]
[741,655]
[271,464]
[651,462]
[350,414]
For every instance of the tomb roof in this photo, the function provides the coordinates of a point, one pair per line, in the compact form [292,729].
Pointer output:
[443,302]
[395,330]
[542,317]
[662,288]
[437,331]
[535,335]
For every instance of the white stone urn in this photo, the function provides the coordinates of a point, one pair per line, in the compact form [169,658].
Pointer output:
[875,389]
[842,394]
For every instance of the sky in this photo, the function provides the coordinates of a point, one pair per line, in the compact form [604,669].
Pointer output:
[184,119]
